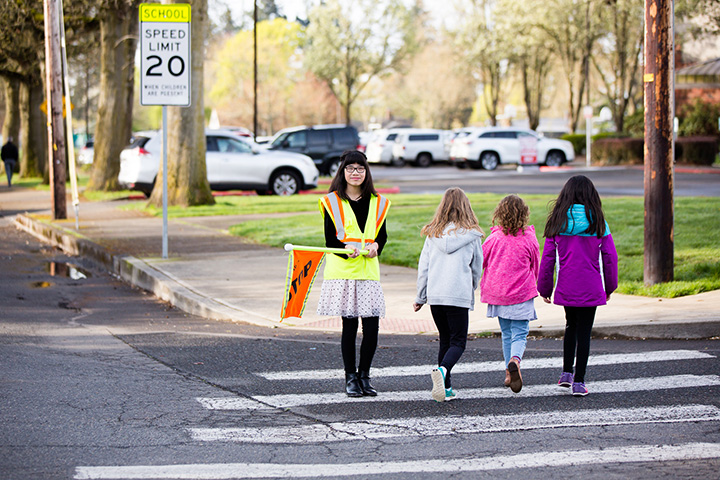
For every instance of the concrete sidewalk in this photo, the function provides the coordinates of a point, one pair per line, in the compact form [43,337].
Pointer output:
[215,275]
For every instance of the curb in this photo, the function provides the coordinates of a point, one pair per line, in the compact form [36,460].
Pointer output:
[137,273]
[140,274]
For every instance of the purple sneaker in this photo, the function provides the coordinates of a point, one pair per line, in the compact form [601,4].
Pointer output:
[579,389]
[566,379]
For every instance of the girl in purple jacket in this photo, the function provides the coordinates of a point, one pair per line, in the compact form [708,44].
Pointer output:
[580,250]
[509,283]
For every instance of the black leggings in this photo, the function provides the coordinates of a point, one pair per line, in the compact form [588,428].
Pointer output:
[578,329]
[452,325]
[370,327]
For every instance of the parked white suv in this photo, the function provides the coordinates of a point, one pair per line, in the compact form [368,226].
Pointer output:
[379,148]
[492,146]
[232,164]
[421,147]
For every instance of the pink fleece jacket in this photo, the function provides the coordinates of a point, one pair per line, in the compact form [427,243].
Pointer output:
[510,267]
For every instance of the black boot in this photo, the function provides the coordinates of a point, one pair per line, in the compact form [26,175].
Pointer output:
[352,385]
[367,389]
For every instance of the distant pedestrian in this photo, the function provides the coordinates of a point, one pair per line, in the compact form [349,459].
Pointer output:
[354,218]
[449,272]
[509,284]
[9,154]
[577,235]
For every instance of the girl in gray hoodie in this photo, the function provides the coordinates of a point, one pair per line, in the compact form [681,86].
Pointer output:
[449,272]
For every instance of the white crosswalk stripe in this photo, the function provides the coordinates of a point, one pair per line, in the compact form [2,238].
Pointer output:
[617,455]
[478,367]
[308,432]
[434,426]
[258,402]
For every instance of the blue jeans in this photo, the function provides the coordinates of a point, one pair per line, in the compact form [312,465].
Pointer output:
[514,337]
[9,166]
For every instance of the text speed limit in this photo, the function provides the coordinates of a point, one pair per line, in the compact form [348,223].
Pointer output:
[165,54]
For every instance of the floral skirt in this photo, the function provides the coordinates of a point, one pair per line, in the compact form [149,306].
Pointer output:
[351,298]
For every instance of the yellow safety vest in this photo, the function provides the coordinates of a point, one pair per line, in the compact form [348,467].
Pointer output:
[348,231]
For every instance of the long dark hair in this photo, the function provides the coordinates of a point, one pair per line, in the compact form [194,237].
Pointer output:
[339,184]
[577,190]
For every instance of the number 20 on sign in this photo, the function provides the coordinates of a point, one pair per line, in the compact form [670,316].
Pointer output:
[165,54]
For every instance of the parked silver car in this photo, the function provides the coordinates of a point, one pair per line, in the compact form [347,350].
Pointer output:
[232,164]
[492,146]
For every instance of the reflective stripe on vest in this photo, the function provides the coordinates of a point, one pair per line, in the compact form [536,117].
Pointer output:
[333,204]
[349,232]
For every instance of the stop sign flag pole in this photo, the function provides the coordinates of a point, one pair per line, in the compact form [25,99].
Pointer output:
[303,264]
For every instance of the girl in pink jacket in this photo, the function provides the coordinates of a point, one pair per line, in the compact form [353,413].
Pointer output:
[511,257]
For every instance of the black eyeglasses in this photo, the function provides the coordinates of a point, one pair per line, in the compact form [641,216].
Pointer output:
[351,169]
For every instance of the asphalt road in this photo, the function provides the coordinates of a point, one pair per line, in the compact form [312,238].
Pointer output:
[104,381]
[620,181]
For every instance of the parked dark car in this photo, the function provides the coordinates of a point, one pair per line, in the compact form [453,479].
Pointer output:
[323,143]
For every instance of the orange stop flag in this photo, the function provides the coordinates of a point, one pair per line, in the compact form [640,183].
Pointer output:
[302,269]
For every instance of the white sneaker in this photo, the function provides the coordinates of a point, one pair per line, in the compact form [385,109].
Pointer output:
[438,379]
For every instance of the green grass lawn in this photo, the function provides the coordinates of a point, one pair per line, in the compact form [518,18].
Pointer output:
[696,235]
[697,232]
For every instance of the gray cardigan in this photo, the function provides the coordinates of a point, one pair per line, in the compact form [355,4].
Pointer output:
[449,269]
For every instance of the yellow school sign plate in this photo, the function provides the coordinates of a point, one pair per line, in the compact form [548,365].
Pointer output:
[165,54]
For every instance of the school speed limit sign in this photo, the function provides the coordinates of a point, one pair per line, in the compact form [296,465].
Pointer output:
[165,54]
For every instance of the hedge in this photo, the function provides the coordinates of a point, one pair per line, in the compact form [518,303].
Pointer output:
[629,151]
[617,151]
[579,140]
[697,150]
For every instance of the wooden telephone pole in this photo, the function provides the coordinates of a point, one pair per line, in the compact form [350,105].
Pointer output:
[54,102]
[255,70]
[659,113]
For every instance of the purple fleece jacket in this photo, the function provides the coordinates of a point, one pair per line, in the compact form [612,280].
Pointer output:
[587,270]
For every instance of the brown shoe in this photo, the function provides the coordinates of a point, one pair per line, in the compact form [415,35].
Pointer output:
[507,377]
[515,377]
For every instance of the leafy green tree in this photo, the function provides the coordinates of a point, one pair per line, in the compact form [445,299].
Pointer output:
[699,118]
[438,88]
[573,30]
[279,72]
[11,123]
[617,59]
[530,54]
[350,42]
[487,49]
[186,167]
[21,53]
[119,26]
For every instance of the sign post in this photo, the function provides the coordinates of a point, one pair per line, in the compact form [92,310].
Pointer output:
[165,71]
[588,113]
[528,153]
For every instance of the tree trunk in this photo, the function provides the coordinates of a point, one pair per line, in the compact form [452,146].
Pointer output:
[187,171]
[118,42]
[33,144]
[11,125]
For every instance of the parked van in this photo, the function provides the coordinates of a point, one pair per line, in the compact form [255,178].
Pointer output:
[421,147]
[379,148]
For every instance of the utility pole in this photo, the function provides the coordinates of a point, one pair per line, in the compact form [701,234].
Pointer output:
[659,148]
[588,110]
[53,98]
[255,112]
